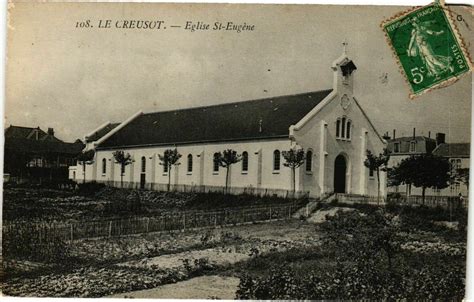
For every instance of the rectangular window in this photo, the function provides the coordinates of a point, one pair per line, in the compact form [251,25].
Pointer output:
[371,172]
[215,163]
[396,147]
[412,146]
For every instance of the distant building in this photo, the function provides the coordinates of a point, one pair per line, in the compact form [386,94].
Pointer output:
[458,155]
[406,146]
[32,154]
[330,125]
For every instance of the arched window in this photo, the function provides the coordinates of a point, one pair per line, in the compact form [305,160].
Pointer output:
[216,162]
[348,130]
[245,161]
[309,161]
[190,163]
[276,160]
[338,128]
[343,127]
[143,164]
[104,166]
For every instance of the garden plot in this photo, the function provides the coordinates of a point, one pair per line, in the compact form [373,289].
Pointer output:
[320,215]
[205,287]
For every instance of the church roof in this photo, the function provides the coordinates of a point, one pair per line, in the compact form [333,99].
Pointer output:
[453,150]
[248,120]
[101,132]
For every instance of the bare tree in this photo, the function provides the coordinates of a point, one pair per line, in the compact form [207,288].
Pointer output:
[226,159]
[294,158]
[123,160]
[169,159]
[85,158]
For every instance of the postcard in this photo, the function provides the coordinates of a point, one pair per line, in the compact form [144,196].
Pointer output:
[237,151]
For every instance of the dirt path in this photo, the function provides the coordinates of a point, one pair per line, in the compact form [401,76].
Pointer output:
[204,287]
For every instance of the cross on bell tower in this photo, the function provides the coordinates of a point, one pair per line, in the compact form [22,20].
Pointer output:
[344,47]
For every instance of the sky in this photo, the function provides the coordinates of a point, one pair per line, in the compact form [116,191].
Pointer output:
[75,79]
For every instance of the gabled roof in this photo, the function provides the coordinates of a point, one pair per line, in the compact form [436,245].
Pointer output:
[249,120]
[101,132]
[29,133]
[24,145]
[453,150]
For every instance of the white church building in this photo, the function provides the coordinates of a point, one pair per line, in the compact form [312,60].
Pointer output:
[330,125]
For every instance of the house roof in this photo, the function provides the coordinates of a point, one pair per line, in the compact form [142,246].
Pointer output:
[18,144]
[28,133]
[101,132]
[404,145]
[453,150]
[410,139]
[256,119]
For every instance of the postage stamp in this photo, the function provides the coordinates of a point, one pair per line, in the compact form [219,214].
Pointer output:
[428,49]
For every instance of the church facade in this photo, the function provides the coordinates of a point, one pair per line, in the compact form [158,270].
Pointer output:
[330,125]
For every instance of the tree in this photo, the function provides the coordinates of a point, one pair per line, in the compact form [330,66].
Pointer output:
[169,159]
[85,158]
[123,160]
[226,159]
[377,164]
[461,176]
[425,171]
[294,158]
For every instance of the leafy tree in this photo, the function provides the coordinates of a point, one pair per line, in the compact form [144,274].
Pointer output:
[461,176]
[294,158]
[226,159]
[377,164]
[425,171]
[85,158]
[123,160]
[169,159]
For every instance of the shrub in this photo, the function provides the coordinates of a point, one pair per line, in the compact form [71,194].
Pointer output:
[89,188]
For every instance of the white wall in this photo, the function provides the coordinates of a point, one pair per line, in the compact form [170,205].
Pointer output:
[202,173]
[317,131]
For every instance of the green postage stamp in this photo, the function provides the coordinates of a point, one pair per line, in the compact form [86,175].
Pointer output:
[430,52]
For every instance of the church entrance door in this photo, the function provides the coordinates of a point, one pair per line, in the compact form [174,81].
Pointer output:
[340,168]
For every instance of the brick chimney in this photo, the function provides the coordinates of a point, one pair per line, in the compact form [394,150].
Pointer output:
[440,138]
[51,131]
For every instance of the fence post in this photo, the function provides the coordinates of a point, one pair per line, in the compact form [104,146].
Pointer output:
[110,228]
[147,223]
[72,232]
[270,213]
[215,220]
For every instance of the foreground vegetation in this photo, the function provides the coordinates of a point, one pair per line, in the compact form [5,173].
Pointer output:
[369,253]
[360,252]
[95,201]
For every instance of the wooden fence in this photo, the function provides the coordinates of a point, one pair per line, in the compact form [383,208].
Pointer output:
[216,189]
[430,201]
[172,221]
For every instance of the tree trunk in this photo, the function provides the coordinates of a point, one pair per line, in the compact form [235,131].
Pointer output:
[294,181]
[169,177]
[423,189]
[84,171]
[226,178]
[121,178]
[378,186]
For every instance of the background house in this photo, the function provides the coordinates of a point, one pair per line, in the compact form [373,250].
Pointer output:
[406,146]
[34,155]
